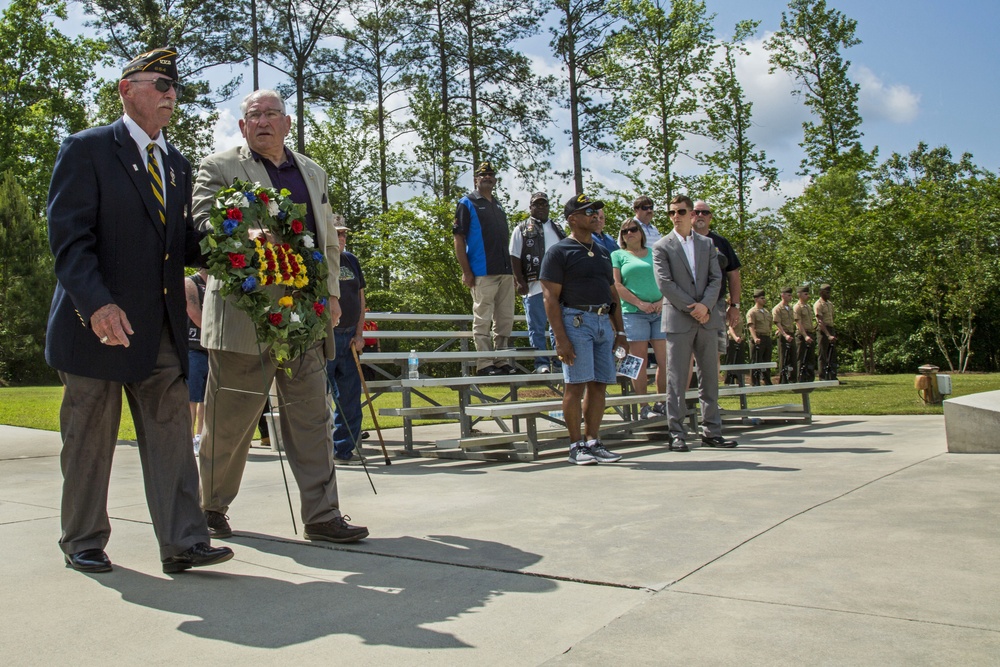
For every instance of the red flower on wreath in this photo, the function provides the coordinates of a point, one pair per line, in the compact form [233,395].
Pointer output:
[234,214]
[297,226]
[237,260]
[319,308]
[275,319]
[263,196]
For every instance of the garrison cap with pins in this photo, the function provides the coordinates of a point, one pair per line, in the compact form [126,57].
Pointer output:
[580,202]
[485,168]
[160,61]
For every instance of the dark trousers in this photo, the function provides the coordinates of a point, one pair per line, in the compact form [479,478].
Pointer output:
[345,385]
[89,419]
[806,361]
[827,356]
[736,353]
[760,353]
[786,359]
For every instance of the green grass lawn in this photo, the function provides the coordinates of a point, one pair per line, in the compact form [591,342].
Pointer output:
[38,407]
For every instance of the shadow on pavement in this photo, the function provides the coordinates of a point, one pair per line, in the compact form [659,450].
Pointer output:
[382,601]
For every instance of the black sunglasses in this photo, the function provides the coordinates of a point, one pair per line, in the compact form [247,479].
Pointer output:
[702,211]
[678,211]
[646,207]
[629,230]
[163,85]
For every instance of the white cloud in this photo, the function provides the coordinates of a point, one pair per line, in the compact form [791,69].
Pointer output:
[226,131]
[895,103]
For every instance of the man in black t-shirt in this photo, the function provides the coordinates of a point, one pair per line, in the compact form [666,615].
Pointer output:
[582,307]
[345,381]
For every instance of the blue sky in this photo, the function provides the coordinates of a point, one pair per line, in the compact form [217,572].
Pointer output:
[924,68]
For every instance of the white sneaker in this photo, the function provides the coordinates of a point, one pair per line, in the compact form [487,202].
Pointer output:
[647,412]
[541,369]
[196,440]
[581,455]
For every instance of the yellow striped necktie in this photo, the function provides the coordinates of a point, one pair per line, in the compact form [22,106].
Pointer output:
[155,181]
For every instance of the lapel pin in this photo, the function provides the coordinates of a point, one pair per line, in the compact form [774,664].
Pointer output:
[135,166]
[173,181]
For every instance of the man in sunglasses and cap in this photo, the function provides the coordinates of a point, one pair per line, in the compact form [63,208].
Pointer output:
[582,305]
[120,228]
[481,239]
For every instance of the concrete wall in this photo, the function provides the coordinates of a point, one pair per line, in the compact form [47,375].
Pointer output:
[972,423]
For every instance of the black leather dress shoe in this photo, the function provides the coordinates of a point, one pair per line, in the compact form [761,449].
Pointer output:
[89,560]
[199,555]
[679,446]
[719,441]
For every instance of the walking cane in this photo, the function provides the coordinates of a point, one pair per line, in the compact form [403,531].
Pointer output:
[371,408]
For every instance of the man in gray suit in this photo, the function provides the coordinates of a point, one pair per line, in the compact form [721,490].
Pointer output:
[688,275]
[239,371]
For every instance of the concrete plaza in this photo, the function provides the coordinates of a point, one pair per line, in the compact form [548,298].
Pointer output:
[848,541]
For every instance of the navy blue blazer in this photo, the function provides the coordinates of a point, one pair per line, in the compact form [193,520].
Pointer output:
[110,247]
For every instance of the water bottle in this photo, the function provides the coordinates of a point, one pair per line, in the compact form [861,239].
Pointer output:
[413,363]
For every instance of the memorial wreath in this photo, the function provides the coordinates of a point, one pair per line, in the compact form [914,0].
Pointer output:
[278,277]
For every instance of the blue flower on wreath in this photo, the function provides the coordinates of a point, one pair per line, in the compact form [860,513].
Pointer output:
[251,197]
[282,215]
[322,300]
[317,255]
[229,226]
[250,284]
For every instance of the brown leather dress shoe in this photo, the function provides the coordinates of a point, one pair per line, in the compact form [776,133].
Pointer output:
[199,555]
[89,560]
[335,530]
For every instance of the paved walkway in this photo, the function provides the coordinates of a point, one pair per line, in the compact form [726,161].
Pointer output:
[850,541]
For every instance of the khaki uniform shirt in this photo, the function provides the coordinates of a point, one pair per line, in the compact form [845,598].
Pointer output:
[759,321]
[824,312]
[804,316]
[782,316]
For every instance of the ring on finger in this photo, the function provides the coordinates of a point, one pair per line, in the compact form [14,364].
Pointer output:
[104,340]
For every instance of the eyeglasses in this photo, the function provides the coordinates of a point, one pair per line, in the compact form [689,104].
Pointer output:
[163,85]
[646,207]
[629,230]
[270,115]
[678,211]
[586,211]
[702,211]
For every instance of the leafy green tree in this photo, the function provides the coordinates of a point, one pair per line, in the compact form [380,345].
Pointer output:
[808,47]
[947,214]
[413,243]
[202,32]
[44,79]
[579,41]
[26,284]
[478,97]
[831,235]
[654,63]
[294,43]
[379,56]
[728,120]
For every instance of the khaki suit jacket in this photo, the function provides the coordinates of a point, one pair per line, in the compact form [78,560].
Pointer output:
[224,327]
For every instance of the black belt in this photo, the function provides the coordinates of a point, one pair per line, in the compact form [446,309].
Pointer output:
[600,309]
[343,330]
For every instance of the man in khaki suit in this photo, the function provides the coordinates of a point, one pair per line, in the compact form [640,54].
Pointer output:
[239,370]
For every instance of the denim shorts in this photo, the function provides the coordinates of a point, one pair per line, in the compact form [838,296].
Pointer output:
[197,375]
[640,327]
[592,342]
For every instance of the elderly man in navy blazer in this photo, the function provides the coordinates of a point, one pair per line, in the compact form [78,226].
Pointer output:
[120,228]
[688,275]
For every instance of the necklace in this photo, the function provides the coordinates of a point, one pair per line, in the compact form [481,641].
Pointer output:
[590,250]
